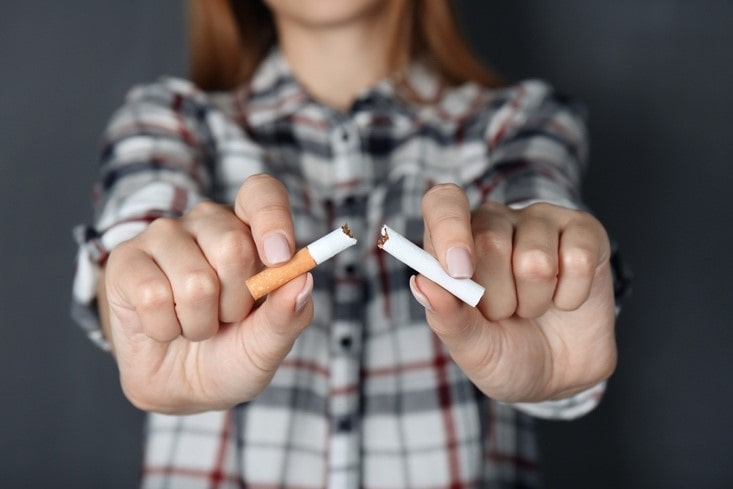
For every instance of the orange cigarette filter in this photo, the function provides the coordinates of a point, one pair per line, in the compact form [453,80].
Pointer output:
[273,278]
[304,260]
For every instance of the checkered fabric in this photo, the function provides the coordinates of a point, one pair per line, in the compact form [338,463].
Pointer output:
[368,397]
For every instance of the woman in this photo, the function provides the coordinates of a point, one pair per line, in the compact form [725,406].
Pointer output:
[303,115]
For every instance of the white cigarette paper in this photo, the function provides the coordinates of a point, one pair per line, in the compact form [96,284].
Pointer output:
[304,260]
[423,262]
[331,244]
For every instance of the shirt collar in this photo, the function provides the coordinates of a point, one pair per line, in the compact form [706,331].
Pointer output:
[274,93]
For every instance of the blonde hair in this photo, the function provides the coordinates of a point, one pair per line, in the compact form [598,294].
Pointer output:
[229,38]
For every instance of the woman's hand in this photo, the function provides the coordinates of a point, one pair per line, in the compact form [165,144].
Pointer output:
[545,327]
[185,331]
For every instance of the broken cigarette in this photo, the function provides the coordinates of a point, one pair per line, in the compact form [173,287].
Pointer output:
[422,262]
[307,258]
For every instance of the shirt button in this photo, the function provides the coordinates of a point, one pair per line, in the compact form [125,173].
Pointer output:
[350,269]
[344,424]
[345,342]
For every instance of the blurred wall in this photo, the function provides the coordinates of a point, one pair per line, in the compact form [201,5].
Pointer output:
[656,78]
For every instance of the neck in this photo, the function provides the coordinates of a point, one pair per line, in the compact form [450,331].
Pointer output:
[336,63]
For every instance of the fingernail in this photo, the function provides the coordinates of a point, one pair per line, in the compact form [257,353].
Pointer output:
[459,262]
[419,296]
[277,249]
[305,294]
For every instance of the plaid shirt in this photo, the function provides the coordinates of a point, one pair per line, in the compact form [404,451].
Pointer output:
[368,397]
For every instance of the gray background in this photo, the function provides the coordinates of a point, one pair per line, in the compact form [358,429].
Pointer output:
[656,76]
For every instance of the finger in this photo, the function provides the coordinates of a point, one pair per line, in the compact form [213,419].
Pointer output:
[535,264]
[493,234]
[278,322]
[262,204]
[583,246]
[139,293]
[194,283]
[459,326]
[236,364]
[228,247]
[448,229]
[438,303]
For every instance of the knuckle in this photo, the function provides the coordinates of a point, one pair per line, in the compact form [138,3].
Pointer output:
[535,265]
[163,225]
[495,210]
[578,261]
[493,243]
[200,286]
[231,248]
[204,207]
[583,217]
[594,226]
[540,208]
[153,295]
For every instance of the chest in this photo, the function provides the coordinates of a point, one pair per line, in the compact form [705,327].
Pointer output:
[366,170]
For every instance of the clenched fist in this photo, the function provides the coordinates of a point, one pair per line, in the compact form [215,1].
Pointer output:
[186,334]
[544,329]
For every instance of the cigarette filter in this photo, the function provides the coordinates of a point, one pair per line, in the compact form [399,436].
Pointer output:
[423,262]
[305,259]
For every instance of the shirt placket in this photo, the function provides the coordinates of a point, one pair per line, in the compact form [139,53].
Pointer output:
[349,305]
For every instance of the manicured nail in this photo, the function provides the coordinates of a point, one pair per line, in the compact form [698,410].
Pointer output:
[459,262]
[419,296]
[304,294]
[277,249]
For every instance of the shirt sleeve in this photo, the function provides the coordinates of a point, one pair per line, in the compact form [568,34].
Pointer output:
[538,149]
[565,409]
[155,162]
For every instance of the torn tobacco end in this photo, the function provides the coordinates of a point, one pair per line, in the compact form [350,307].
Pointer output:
[383,237]
[346,230]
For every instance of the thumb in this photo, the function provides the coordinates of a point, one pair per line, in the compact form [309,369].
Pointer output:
[470,339]
[271,330]
[242,358]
